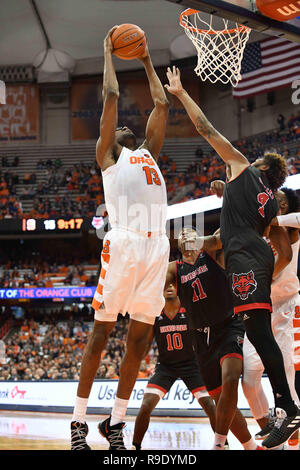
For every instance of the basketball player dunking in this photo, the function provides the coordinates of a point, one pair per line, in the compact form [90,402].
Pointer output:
[249,206]
[135,252]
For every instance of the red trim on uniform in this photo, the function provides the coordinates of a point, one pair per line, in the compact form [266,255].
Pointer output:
[165,313]
[296,322]
[238,174]
[156,386]
[297,337]
[199,389]
[254,306]
[193,264]
[216,391]
[236,355]
[297,367]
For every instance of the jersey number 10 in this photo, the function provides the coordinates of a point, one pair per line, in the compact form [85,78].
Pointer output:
[174,341]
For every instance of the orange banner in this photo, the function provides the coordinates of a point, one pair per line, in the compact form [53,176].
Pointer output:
[19,117]
[134,107]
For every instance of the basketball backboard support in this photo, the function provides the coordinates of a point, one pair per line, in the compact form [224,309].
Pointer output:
[245,12]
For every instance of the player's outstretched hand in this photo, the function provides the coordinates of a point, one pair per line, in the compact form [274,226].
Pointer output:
[217,187]
[107,41]
[174,87]
[145,54]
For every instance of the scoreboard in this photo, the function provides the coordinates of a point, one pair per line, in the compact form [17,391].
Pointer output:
[32,225]
[46,226]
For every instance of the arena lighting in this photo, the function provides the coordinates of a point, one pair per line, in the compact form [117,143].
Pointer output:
[210,203]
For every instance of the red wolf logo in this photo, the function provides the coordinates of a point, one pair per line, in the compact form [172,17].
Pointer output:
[243,284]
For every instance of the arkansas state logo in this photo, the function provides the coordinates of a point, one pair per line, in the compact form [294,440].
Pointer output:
[244,284]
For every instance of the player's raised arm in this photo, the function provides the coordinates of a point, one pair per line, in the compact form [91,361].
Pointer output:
[109,117]
[229,154]
[156,125]
[279,239]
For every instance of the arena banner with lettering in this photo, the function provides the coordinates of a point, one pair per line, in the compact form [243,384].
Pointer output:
[48,293]
[134,107]
[19,117]
[61,395]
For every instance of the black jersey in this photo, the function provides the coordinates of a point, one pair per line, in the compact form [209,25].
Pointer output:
[249,205]
[203,290]
[174,340]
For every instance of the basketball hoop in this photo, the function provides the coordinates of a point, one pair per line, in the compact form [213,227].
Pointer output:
[220,51]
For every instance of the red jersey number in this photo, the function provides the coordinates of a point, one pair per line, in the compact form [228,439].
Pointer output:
[199,293]
[151,176]
[174,341]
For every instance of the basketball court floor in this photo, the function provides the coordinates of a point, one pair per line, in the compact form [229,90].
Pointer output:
[51,431]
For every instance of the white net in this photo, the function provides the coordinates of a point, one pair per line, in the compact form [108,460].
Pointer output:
[220,51]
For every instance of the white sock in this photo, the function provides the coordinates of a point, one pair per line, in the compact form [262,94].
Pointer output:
[250,445]
[219,442]
[79,411]
[119,411]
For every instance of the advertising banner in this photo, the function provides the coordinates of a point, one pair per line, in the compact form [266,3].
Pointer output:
[47,292]
[19,117]
[61,394]
[134,107]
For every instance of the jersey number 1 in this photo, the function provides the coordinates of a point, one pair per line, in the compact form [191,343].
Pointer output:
[199,293]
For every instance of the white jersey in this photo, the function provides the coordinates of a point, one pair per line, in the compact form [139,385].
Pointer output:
[135,192]
[286,285]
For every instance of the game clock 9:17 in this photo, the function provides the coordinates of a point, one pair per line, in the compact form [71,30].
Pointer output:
[39,225]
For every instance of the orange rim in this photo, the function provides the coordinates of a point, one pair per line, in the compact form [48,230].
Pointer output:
[191,11]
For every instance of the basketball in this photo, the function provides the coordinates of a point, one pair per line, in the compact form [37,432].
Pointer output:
[128,41]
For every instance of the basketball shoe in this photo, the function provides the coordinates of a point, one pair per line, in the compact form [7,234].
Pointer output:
[113,434]
[264,432]
[284,427]
[79,431]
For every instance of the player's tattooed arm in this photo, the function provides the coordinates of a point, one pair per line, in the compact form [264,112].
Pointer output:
[229,154]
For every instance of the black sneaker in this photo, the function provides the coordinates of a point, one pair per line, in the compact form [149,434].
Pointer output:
[79,431]
[284,427]
[113,434]
[264,432]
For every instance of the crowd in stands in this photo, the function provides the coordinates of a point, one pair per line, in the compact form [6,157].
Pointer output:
[51,346]
[83,183]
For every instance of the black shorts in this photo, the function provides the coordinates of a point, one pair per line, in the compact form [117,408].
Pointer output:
[215,344]
[165,376]
[250,278]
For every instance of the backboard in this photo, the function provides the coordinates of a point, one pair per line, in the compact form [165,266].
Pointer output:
[245,12]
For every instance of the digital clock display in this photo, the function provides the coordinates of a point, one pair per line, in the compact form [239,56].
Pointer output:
[33,225]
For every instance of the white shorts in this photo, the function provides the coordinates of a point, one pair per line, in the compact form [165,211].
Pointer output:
[133,275]
[282,326]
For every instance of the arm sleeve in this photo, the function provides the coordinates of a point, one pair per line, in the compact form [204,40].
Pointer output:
[289,220]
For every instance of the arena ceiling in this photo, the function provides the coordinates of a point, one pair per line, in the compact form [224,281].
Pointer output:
[78,27]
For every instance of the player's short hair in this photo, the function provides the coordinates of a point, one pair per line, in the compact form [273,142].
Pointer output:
[277,171]
[292,198]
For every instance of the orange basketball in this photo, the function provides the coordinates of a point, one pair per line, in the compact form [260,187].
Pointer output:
[128,41]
